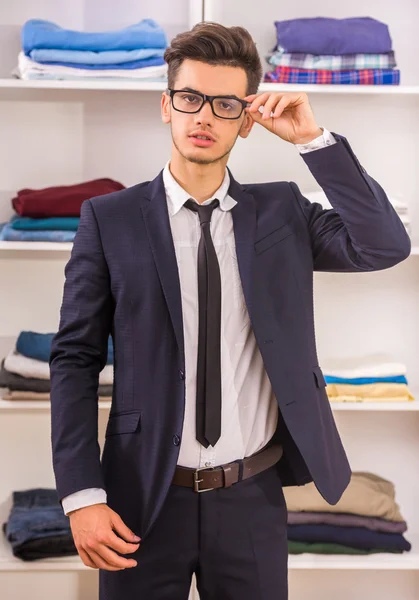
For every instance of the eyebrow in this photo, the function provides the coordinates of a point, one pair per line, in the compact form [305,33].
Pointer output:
[188,89]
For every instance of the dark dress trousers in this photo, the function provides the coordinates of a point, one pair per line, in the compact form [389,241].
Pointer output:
[122,279]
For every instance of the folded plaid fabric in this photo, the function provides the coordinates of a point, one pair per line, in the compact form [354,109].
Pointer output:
[329,62]
[361,77]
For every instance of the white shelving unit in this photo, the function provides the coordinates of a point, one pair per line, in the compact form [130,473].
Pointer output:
[66,247]
[63,132]
[8,83]
[404,562]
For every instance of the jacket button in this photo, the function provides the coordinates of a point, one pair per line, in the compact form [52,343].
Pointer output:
[176,440]
[182,374]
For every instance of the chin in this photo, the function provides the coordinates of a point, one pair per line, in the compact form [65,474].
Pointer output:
[200,157]
[201,160]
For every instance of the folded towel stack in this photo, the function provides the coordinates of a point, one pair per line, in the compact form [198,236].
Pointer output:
[400,206]
[51,52]
[369,378]
[52,214]
[333,51]
[37,527]
[366,520]
[25,373]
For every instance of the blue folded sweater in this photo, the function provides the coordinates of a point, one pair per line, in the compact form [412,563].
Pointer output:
[37,33]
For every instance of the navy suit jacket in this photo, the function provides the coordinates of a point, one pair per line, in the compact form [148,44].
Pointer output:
[122,279]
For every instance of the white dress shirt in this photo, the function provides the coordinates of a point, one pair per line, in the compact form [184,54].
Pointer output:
[249,407]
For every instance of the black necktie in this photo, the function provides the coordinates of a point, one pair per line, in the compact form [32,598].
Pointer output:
[208,384]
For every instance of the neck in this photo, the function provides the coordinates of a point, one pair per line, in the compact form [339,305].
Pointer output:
[200,181]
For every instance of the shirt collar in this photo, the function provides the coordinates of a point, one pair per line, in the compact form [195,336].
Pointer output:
[177,196]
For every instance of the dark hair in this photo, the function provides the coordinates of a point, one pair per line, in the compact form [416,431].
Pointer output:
[215,44]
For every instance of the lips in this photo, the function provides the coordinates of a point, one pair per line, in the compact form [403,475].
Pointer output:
[199,133]
[200,141]
[202,137]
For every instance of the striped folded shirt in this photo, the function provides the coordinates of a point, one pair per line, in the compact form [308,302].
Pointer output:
[361,77]
[329,62]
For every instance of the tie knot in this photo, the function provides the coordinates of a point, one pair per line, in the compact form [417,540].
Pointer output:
[204,210]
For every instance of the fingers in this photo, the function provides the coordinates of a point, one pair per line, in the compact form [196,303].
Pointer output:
[124,531]
[101,563]
[113,559]
[116,543]
[103,557]
[280,107]
[269,106]
[98,555]
[274,102]
[257,101]
[86,558]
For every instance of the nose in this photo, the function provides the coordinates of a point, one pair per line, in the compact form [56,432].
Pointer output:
[205,115]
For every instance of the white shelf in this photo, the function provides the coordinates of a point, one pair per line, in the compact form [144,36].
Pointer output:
[405,561]
[411,406]
[8,562]
[36,246]
[27,405]
[81,84]
[148,86]
[67,246]
[399,90]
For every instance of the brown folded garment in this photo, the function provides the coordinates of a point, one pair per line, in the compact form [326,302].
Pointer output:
[367,494]
[61,201]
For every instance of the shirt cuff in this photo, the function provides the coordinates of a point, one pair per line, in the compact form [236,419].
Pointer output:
[83,498]
[326,139]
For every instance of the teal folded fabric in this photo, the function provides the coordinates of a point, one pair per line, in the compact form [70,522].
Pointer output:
[7,233]
[47,224]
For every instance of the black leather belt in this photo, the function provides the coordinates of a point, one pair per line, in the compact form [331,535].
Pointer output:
[210,478]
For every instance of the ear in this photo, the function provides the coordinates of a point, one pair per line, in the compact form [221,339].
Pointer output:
[246,126]
[165,108]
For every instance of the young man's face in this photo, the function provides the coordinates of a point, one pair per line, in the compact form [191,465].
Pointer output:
[213,81]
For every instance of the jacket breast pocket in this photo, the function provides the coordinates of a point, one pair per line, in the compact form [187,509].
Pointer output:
[273,238]
[319,377]
[129,422]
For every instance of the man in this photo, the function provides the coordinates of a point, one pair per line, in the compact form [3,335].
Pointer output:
[206,286]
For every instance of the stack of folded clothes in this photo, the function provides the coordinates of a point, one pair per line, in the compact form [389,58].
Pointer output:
[52,214]
[369,378]
[366,520]
[51,52]
[25,373]
[37,526]
[399,204]
[333,51]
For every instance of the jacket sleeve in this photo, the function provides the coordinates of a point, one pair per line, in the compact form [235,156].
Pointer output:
[362,232]
[78,354]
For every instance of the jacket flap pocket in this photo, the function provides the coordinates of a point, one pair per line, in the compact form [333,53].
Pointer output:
[273,238]
[318,374]
[123,423]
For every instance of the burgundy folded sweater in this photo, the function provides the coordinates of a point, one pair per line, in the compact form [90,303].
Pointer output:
[61,201]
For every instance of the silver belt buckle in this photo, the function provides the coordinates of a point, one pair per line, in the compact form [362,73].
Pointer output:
[197,481]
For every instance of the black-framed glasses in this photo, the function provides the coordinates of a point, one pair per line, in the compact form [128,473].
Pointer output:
[225,107]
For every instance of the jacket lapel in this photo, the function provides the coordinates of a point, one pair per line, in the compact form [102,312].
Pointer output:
[156,217]
[244,224]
